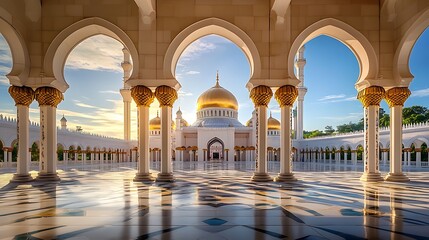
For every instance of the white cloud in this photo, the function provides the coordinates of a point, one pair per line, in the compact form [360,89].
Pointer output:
[79,104]
[192,72]
[197,48]
[181,93]
[420,93]
[99,53]
[336,98]
[110,92]
[331,97]
[4,81]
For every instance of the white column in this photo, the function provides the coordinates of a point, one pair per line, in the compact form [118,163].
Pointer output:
[5,156]
[409,158]
[23,161]
[126,94]
[260,173]
[371,145]
[9,157]
[418,158]
[302,90]
[65,157]
[166,97]
[395,98]
[48,143]
[285,146]
[300,114]
[126,97]
[384,157]
[166,173]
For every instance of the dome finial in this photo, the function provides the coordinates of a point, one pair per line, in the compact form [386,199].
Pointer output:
[157,113]
[271,114]
[217,78]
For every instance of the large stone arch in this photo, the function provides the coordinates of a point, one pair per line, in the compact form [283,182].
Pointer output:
[401,69]
[346,34]
[206,27]
[67,39]
[20,56]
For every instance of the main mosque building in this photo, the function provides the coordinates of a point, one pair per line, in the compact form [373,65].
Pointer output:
[216,134]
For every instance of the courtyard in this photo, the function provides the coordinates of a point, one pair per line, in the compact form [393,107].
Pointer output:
[214,201]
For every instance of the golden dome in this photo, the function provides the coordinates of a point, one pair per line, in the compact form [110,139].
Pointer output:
[273,124]
[155,123]
[217,97]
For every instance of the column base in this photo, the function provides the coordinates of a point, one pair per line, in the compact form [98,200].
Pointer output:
[285,177]
[18,178]
[396,177]
[165,177]
[143,177]
[261,177]
[48,177]
[371,177]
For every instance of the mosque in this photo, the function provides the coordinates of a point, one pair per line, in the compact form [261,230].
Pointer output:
[216,134]
[108,201]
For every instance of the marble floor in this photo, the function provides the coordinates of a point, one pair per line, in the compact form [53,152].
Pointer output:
[213,201]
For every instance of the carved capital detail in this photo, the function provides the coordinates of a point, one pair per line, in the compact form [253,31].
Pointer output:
[166,95]
[286,95]
[261,95]
[22,95]
[48,96]
[371,96]
[142,95]
[397,96]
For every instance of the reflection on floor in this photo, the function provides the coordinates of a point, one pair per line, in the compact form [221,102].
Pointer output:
[211,202]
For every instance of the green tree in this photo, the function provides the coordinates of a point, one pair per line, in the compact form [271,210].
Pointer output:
[34,152]
[329,130]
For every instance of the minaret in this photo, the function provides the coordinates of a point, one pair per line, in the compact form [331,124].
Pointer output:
[63,123]
[302,90]
[126,94]
[178,119]
[294,122]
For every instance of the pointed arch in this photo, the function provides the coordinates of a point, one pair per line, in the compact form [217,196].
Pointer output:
[67,39]
[211,142]
[352,38]
[20,56]
[401,69]
[206,27]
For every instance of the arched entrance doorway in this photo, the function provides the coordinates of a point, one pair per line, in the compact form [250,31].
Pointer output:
[215,149]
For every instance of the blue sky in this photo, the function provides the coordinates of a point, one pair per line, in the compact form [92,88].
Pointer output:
[94,74]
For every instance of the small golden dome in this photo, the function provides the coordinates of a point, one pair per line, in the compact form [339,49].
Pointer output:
[249,123]
[217,97]
[155,123]
[184,123]
[273,124]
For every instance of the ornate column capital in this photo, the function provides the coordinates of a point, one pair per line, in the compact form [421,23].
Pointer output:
[261,95]
[142,95]
[166,95]
[371,96]
[286,95]
[22,95]
[397,96]
[48,96]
